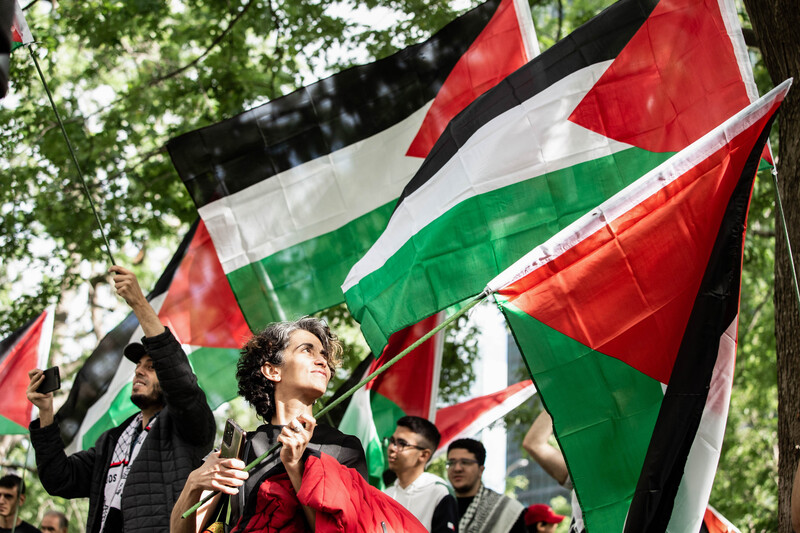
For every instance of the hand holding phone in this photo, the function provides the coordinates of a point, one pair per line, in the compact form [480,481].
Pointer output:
[51,382]
[232,440]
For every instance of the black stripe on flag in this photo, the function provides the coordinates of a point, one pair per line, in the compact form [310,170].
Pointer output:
[94,377]
[600,39]
[715,308]
[316,120]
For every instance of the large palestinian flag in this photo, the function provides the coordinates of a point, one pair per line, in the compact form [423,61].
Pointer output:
[627,321]
[409,387]
[293,192]
[194,300]
[25,349]
[596,111]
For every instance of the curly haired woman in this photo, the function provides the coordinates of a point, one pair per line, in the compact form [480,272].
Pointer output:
[282,371]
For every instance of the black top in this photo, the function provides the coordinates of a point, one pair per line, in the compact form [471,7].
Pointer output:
[346,449]
[24,527]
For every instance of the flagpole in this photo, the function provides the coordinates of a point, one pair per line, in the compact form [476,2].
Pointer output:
[786,235]
[72,153]
[380,370]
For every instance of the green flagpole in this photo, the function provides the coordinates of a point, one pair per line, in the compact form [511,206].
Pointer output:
[72,153]
[786,235]
[383,368]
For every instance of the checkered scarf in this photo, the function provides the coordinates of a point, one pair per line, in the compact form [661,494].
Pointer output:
[125,452]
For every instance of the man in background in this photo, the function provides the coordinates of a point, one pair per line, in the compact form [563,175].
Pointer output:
[426,495]
[480,510]
[12,496]
[54,522]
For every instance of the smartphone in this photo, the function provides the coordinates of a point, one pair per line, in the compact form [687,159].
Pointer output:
[52,381]
[232,440]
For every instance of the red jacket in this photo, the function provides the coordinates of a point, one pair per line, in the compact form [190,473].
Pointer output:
[342,499]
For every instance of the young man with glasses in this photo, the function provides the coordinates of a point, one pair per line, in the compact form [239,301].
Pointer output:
[426,495]
[480,510]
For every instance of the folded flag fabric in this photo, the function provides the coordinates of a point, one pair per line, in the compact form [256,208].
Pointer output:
[192,298]
[714,522]
[467,418]
[581,121]
[409,387]
[293,192]
[20,33]
[23,350]
[627,322]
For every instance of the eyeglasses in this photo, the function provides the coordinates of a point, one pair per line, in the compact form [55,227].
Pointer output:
[463,462]
[401,444]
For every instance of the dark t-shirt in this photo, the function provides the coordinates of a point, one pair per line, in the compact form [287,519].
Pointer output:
[463,503]
[24,527]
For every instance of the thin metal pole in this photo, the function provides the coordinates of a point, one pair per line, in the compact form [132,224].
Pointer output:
[786,235]
[383,368]
[72,153]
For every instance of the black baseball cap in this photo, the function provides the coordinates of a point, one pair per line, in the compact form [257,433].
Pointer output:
[134,351]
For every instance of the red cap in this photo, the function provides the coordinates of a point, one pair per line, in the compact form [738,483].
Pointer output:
[539,512]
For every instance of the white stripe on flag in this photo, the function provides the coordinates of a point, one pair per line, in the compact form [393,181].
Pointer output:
[698,475]
[314,198]
[534,138]
[638,191]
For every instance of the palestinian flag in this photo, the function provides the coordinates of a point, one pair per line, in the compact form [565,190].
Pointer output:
[409,387]
[586,118]
[194,300]
[627,321]
[293,192]
[466,419]
[714,522]
[20,33]
[23,350]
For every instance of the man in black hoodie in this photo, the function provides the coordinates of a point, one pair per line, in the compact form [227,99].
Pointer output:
[135,472]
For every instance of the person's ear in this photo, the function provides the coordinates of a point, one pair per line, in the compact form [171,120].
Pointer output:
[425,455]
[481,469]
[271,372]
[21,499]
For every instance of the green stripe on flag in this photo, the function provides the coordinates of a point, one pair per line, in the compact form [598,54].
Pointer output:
[604,413]
[215,369]
[522,215]
[7,427]
[306,277]
[386,413]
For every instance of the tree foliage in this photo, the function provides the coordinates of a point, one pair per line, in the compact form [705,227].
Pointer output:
[128,75]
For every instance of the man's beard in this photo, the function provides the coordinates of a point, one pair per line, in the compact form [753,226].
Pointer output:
[146,401]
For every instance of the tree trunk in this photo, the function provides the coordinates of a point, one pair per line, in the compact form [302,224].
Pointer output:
[777,28]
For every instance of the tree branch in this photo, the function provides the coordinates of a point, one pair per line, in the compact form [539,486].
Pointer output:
[213,44]
[560,20]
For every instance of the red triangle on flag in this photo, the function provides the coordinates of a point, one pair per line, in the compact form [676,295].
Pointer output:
[20,357]
[473,75]
[676,80]
[200,307]
[410,383]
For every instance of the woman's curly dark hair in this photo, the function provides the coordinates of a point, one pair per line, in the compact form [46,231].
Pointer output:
[267,347]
